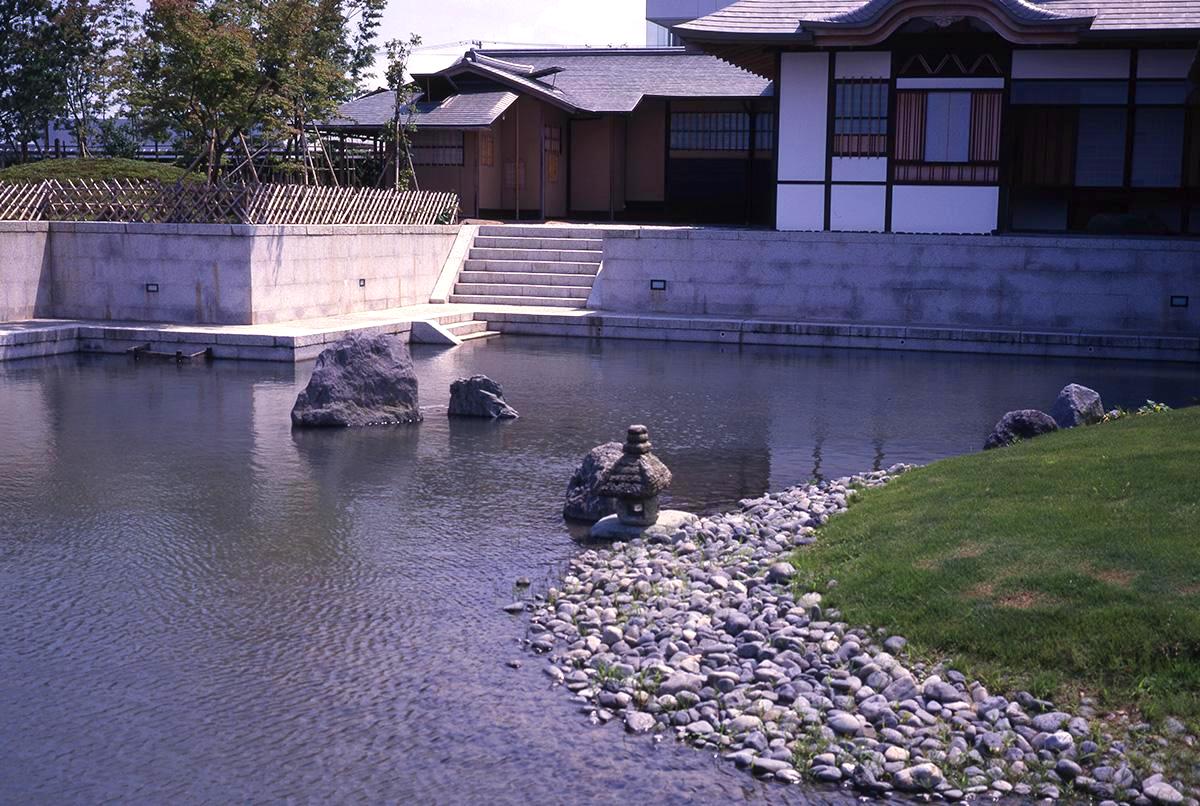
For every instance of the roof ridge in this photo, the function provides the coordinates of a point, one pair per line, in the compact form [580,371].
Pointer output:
[672,51]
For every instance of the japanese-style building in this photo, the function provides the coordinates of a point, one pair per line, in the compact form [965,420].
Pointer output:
[652,135]
[975,116]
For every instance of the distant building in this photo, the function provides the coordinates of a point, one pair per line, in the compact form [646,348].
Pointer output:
[597,134]
[662,15]
[58,141]
[975,116]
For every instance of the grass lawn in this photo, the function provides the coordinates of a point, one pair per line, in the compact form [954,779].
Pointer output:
[96,169]
[1065,565]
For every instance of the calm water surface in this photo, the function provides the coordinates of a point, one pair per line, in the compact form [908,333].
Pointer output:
[197,605]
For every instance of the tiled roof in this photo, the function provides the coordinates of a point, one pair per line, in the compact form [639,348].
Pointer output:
[593,80]
[464,111]
[786,18]
[615,80]
[1134,15]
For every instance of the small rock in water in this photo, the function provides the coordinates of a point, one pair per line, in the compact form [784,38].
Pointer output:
[515,607]
[479,396]
[360,381]
[522,582]
[584,502]
[515,664]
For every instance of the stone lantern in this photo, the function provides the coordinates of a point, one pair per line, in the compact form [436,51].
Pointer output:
[635,481]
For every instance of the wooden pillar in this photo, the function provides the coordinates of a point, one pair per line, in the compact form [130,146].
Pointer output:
[612,169]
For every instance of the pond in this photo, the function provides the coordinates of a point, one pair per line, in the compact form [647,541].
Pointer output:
[197,604]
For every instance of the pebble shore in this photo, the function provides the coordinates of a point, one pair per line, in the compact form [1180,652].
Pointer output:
[698,634]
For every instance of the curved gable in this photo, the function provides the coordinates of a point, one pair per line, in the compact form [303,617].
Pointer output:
[1018,21]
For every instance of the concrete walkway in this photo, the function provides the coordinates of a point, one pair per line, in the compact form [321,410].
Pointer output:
[304,339]
[298,340]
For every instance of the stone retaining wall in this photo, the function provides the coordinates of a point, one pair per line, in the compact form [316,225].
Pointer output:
[1072,285]
[217,274]
[24,270]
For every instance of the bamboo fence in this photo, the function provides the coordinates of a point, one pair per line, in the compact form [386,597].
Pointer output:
[152,202]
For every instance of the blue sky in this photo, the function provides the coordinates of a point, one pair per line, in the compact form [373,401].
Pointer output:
[550,22]
[594,23]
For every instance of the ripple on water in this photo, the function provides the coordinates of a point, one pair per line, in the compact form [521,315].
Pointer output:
[197,604]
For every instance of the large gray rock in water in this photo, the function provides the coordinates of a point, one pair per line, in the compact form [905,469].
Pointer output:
[479,396]
[584,503]
[1024,424]
[361,380]
[1077,405]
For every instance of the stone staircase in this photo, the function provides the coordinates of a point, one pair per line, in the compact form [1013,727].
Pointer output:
[451,330]
[471,330]
[530,265]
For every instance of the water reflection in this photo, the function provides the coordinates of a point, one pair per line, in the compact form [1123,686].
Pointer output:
[197,604]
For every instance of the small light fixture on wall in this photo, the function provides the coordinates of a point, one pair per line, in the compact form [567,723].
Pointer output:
[362,282]
[151,288]
[1180,302]
[658,285]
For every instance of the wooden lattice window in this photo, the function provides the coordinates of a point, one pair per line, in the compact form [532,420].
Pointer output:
[710,131]
[437,148]
[948,136]
[860,122]
[552,139]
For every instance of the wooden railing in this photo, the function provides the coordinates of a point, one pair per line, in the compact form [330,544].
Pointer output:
[157,203]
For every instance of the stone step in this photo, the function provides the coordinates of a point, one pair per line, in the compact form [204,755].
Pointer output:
[538,231]
[514,242]
[531,266]
[546,302]
[464,329]
[537,255]
[481,334]
[527,278]
[521,290]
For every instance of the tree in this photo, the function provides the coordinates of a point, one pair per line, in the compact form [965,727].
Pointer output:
[212,72]
[31,86]
[92,35]
[197,77]
[404,94]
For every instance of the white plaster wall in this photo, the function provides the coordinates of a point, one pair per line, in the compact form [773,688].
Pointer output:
[803,108]
[944,208]
[24,269]
[800,208]
[860,169]
[1096,285]
[1164,63]
[1070,64]
[857,208]
[863,64]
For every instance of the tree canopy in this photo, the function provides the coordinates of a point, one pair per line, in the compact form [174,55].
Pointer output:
[209,74]
[31,87]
